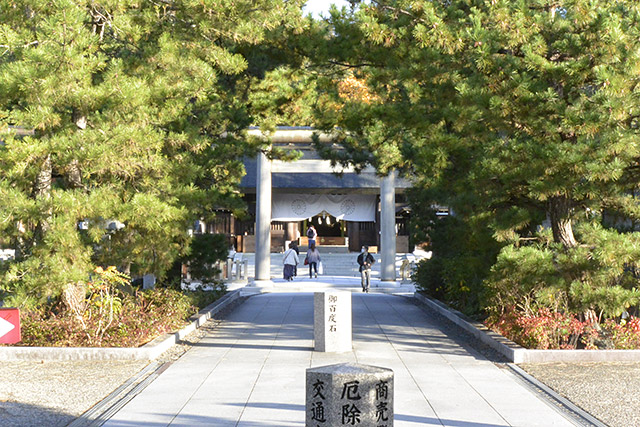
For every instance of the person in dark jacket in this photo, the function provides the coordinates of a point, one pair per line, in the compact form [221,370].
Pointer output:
[365,261]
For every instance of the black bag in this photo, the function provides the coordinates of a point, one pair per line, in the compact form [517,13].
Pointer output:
[310,233]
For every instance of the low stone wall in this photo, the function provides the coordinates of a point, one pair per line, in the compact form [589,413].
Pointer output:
[331,241]
[148,351]
[517,354]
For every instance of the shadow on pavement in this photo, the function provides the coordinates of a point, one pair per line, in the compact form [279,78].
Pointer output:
[376,318]
[15,414]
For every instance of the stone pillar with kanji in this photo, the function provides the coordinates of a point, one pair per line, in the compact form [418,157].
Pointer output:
[332,324]
[349,394]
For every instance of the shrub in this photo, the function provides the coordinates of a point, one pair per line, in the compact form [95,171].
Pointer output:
[462,258]
[543,329]
[201,299]
[527,278]
[107,317]
[613,335]
[596,277]
[204,251]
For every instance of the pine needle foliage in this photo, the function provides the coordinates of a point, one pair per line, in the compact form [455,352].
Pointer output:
[129,112]
[516,114]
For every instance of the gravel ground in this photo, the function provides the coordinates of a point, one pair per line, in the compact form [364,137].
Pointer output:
[608,391]
[54,393]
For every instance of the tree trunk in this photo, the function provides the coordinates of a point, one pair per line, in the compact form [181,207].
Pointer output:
[21,243]
[42,193]
[74,174]
[126,268]
[42,187]
[559,211]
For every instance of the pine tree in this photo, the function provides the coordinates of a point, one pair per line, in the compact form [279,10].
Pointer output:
[511,113]
[137,111]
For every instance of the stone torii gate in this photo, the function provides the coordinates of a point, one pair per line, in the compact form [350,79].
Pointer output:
[263,224]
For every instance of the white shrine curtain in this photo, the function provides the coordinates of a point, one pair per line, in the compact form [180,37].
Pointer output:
[348,207]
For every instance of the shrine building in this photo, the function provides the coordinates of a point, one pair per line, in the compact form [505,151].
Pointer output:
[348,209]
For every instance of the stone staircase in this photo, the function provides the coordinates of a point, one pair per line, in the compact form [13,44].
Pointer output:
[334,264]
[340,272]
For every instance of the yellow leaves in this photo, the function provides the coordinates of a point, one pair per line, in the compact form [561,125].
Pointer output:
[109,277]
[355,89]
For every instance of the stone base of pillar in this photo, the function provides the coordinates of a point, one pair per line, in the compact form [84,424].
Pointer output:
[391,282]
[261,283]
[255,287]
[397,288]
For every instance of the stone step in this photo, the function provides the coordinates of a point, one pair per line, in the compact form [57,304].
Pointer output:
[342,266]
[340,272]
[329,249]
[325,283]
[333,265]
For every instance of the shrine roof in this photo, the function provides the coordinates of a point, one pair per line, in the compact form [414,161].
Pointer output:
[316,180]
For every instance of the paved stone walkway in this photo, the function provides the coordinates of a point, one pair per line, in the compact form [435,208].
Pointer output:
[251,371]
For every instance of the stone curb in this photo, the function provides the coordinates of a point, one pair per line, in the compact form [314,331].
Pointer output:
[556,401]
[102,411]
[517,354]
[149,351]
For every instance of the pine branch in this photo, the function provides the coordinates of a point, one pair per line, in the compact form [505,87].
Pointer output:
[559,57]
[510,52]
[101,20]
[35,42]
[8,48]
[552,8]
[346,65]
[397,10]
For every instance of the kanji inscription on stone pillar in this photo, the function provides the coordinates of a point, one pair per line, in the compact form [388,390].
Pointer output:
[349,394]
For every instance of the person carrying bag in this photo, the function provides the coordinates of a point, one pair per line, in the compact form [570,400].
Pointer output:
[313,259]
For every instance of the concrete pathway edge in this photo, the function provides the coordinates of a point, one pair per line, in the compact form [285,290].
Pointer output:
[149,351]
[517,354]
[101,411]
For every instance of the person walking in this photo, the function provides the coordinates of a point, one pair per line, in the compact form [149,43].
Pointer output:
[294,245]
[290,261]
[365,260]
[313,258]
[312,234]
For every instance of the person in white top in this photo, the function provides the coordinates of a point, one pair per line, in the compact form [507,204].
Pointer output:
[312,234]
[290,261]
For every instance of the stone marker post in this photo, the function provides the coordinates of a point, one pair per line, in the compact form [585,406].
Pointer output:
[332,329]
[148,281]
[349,394]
